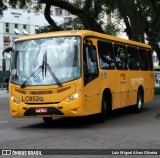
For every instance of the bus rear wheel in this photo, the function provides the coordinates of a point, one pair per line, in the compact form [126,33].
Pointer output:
[139,105]
[47,120]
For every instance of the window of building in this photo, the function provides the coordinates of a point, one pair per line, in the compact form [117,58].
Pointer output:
[133,62]
[7,27]
[120,56]
[16,29]
[58,11]
[106,56]
[25,30]
[143,59]
[24,27]
[16,26]
[51,12]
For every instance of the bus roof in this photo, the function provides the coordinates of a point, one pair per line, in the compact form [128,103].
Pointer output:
[82,33]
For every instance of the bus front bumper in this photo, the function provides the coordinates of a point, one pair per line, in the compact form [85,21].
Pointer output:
[62,109]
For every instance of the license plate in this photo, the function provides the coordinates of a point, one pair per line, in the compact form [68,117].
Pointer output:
[32,99]
[41,110]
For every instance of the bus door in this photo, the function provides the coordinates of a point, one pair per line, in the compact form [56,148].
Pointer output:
[91,79]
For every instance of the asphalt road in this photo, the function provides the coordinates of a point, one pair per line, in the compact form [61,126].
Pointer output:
[122,130]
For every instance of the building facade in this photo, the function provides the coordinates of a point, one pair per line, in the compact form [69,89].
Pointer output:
[16,23]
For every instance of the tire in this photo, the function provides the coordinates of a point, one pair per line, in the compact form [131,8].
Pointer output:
[102,115]
[47,120]
[139,105]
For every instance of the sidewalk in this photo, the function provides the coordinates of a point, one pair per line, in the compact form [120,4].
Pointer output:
[3,94]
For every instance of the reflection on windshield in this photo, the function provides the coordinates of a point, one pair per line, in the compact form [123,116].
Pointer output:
[63,57]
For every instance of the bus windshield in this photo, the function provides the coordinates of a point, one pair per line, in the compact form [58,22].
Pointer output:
[46,61]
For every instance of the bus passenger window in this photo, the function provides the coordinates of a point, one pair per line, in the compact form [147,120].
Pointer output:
[133,62]
[106,56]
[120,56]
[143,59]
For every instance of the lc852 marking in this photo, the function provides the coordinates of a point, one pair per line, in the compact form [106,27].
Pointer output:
[32,98]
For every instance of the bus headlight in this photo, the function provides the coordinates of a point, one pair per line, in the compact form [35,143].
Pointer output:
[72,97]
[15,100]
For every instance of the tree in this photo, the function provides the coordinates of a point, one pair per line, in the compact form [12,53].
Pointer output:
[89,16]
[3,7]
[141,17]
[88,13]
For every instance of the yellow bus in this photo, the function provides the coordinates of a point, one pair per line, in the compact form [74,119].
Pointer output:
[78,73]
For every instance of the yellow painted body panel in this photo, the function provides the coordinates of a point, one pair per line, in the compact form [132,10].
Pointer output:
[124,91]
[81,33]
[123,85]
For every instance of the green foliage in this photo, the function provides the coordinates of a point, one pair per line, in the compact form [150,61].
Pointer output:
[78,3]
[49,28]
[74,24]
[2,7]
[111,29]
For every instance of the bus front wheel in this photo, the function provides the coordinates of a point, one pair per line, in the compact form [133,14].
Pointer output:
[102,115]
[47,120]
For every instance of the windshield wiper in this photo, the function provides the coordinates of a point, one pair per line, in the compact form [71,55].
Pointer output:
[34,74]
[43,68]
[47,67]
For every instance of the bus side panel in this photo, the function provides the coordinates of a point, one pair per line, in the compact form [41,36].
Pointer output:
[148,86]
[110,79]
[134,80]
